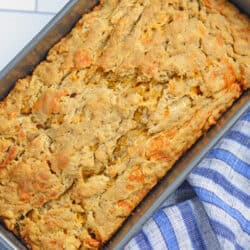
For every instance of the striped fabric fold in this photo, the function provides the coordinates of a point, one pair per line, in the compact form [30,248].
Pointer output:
[211,210]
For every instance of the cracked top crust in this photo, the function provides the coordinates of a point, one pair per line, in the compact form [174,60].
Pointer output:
[110,110]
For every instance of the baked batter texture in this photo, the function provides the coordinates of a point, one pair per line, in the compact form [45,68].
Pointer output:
[110,110]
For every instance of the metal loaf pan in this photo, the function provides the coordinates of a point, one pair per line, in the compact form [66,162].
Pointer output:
[35,52]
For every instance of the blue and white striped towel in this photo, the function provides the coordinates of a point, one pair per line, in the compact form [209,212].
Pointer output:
[211,210]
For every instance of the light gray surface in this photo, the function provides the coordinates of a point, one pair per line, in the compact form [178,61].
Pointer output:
[25,18]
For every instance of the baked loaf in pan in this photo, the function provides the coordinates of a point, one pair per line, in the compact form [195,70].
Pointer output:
[110,110]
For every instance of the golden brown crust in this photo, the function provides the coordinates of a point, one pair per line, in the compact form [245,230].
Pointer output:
[110,110]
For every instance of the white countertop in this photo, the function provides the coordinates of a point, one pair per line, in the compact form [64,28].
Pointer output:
[20,21]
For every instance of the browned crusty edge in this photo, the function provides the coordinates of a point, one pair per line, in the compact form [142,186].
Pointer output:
[114,105]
